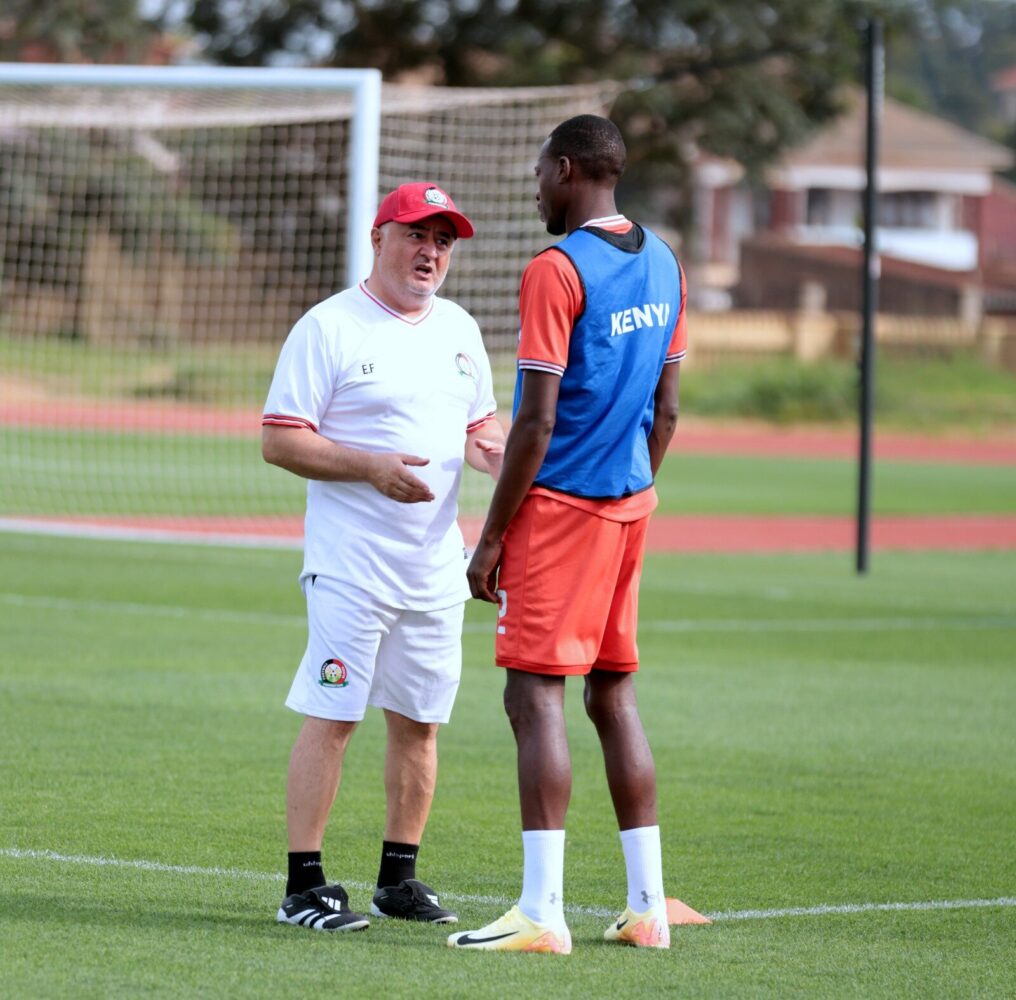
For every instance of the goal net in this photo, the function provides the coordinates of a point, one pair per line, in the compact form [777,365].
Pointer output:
[156,245]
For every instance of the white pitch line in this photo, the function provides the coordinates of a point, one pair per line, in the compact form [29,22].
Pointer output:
[847,908]
[140,863]
[772,625]
[914,622]
[159,866]
[151,610]
[829,909]
[125,534]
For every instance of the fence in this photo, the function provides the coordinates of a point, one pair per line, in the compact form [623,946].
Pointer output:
[814,336]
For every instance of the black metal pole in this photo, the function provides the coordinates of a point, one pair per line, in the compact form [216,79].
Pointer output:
[875,81]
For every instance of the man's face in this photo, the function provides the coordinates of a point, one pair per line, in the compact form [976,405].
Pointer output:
[548,192]
[413,257]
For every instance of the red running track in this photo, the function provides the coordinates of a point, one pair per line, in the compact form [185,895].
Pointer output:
[667,533]
[692,437]
[808,442]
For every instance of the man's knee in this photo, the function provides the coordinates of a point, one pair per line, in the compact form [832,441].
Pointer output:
[608,697]
[333,732]
[531,698]
[322,739]
[410,732]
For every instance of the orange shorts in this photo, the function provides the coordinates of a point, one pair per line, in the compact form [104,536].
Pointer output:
[568,585]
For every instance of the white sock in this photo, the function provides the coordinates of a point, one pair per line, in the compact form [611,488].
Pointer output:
[644,862]
[542,897]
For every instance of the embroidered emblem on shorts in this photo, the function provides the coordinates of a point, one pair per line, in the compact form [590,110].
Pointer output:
[333,674]
[432,196]
[464,363]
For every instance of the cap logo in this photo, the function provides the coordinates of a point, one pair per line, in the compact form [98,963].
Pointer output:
[432,196]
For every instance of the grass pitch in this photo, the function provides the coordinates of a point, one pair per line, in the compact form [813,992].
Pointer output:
[820,741]
[80,472]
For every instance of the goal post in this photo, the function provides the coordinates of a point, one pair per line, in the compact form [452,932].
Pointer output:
[363,84]
[162,228]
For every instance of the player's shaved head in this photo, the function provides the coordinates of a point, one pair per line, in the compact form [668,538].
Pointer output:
[592,143]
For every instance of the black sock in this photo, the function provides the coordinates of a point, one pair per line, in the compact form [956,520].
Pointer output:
[305,871]
[398,862]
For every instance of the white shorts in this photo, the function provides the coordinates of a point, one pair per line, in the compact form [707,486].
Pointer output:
[360,652]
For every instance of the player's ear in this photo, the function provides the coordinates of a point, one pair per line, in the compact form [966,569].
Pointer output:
[375,240]
[564,169]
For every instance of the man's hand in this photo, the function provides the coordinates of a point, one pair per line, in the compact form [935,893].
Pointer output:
[389,474]
[482,571]
[485,447]
[493,455]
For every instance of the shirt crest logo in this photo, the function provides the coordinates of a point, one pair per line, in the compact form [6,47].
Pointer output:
[464,363]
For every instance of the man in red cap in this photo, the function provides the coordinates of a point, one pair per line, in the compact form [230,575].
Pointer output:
[381,394]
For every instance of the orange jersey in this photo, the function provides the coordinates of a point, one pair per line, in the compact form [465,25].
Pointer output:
[551,299]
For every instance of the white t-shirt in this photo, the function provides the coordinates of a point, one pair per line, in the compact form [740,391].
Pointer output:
[366,377]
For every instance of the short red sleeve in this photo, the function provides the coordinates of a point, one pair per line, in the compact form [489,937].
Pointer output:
[550,300]
[679,340]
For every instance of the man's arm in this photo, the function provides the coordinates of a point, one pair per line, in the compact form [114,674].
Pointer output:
[306,453]
[485,447]
[524,452]
[665,409]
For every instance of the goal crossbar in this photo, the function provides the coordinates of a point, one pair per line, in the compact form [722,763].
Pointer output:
[364,86]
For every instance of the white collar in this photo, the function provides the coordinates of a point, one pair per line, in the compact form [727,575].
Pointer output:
[412,321]
[607,220]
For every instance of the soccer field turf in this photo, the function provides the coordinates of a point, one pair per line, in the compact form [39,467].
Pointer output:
[821,741]
[73,471]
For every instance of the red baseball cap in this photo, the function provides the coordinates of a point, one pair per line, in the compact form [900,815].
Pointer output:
[413,202]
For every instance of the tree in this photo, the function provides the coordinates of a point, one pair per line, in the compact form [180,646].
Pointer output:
[733,78]
[948,67]
[74,31]
[57,188]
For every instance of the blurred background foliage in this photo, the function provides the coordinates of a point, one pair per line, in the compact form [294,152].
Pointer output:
[732,78]
[735,79]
